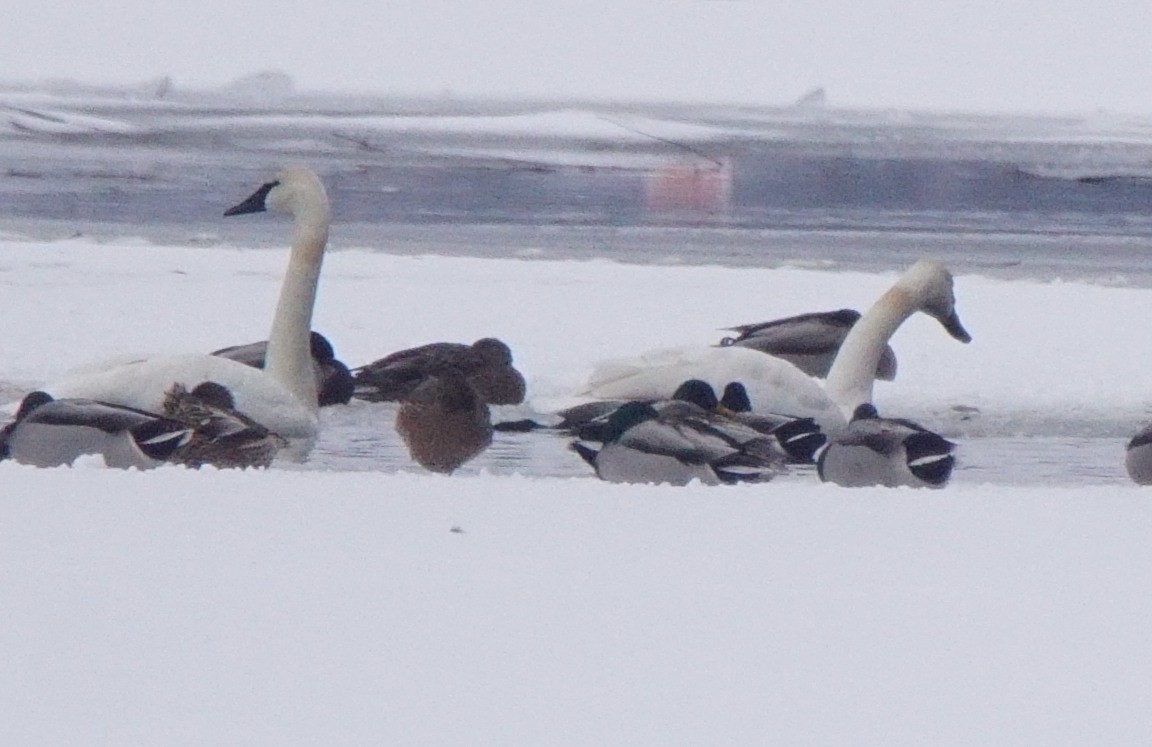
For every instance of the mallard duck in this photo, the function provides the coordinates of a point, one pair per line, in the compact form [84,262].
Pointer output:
[51,432]
[1138,456]
[797,438]
[333,379]
[889,452]
[808,341]
[486,364]
[221,436]
[444,422]
[588,421]
[676,441]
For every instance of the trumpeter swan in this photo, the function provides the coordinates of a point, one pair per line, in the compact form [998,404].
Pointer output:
[282,396]
[775,385]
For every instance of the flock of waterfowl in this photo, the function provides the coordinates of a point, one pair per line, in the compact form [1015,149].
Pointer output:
[653,418]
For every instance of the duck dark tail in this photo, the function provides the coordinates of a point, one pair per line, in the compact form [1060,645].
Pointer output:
[160,438]
[587,453]
[930,457]
[801,439]
[518,426]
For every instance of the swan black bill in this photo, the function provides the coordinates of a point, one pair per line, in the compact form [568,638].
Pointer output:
[953,326]
[254,204]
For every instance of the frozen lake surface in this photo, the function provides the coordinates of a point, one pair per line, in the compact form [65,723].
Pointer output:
[1014,197]
[1043,396]
[1030,200]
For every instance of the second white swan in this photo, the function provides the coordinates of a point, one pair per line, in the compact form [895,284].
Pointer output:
[775,385]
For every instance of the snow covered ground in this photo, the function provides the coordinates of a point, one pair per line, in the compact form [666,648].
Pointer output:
[327,607]
[1045,357]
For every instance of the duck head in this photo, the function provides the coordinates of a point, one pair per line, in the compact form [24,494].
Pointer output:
[698,392]
[865,411]
[32,401]
[493,352]
[626,416]
[735,398]
[215,395]
[322,350]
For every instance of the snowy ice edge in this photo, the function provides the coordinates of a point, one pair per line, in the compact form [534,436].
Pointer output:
[89,481]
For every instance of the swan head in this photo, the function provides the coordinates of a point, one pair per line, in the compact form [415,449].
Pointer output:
[32,401]
[296,191]
[931,284]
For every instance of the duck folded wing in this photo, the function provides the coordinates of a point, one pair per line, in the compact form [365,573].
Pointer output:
[654,437]
[393,377]
[805,333]
[808,341]
[486,364]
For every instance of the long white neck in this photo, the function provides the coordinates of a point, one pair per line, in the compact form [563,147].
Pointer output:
[849,381]
[289,356]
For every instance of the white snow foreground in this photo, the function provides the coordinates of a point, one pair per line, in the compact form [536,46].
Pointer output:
[207,607]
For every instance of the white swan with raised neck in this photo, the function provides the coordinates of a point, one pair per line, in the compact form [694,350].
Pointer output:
[926,286]
[282,396]
[774,384]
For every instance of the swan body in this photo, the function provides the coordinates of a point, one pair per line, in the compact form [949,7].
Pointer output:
[889,452]
[283,396]
[486,364]
[444,423]
[775,385]
[1138,456]
[51,433]
[144,385]
[808,341]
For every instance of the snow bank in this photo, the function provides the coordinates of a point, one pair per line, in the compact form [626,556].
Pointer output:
[176,607]
[1045,358]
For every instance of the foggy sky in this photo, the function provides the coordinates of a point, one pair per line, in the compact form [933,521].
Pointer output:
[969,55]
